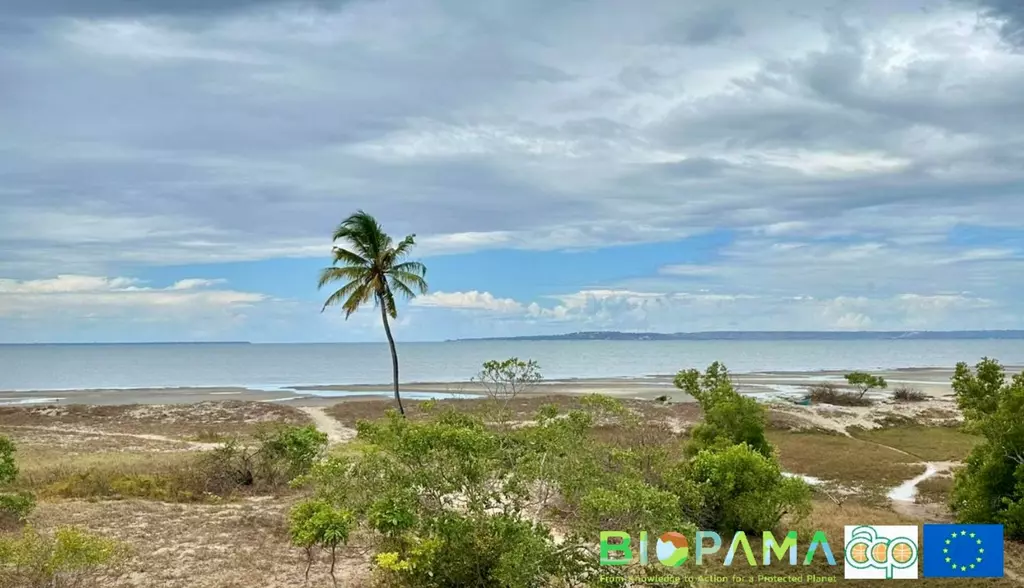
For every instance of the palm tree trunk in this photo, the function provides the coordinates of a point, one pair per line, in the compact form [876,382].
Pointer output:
[394,356]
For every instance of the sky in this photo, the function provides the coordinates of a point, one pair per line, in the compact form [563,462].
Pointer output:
[173,170]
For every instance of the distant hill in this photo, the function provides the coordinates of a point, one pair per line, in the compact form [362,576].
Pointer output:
[763,336]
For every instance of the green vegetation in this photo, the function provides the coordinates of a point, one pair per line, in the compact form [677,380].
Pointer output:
[990,489]
[14,506]
[845,460]
[504,381]
[865,382]
[926,443]
[729,418]
[69,558]
[372,269]
[452,500]
[829,393]
[277,456]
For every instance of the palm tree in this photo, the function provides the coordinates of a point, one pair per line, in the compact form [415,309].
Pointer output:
[372,268]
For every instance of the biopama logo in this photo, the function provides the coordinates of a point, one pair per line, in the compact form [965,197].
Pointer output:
[673,549]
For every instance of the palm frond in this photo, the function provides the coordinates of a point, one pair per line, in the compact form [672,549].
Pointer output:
[341,295]
[412,267]
[337,274]
[349,258]
[359,297]
[402,249]
[409,280]
[398,286]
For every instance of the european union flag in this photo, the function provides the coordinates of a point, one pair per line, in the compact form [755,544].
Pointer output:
[962,551]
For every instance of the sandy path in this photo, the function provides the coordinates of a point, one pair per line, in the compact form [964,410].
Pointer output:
[336,432]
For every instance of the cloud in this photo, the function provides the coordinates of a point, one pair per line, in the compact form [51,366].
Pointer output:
[571,127]
[91,297]
[845,146]
[714,311]
[472,300]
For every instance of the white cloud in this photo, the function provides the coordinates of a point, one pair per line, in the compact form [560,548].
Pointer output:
[75,296]
[472,300]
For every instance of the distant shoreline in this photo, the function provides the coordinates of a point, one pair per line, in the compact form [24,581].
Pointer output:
[766,336]
[967,335]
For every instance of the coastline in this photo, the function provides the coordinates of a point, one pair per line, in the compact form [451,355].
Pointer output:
[932,381]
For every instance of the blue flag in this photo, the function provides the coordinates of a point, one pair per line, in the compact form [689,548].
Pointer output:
[962,551]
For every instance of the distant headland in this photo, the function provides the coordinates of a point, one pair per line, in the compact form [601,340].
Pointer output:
[761,336]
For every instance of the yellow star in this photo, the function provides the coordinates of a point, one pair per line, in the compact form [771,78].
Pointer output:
[963,533]
[972,566]
[972,535]
[977,559]
[947,560]
[981,550]
[947,541]
[953,535]
[954,566]
[978,541]
[945,551]
[963,568]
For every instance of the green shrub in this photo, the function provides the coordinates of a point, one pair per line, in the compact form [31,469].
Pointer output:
[729,418]
[278,457]
[69,558]
[738,489]
[316,524]
[14,506]
[829,393]
[448,502]
[990,489]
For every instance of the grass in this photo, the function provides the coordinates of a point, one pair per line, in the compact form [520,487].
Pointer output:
[844,460]
[181,421]
[926,443]
[523,408]
[935,489]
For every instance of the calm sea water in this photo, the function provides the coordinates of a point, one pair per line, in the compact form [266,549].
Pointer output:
[63,367]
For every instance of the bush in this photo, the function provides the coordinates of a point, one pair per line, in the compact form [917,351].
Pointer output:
[990,489]
[14,506]
[70,558]
[729,418]
[279,457]
[829,393]
[453,502]
[865,382]
[738,489]
[907,394]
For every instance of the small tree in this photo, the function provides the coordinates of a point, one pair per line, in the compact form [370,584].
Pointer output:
[503,381]
[316,524]
[729,417]
[14,506]
[865,382]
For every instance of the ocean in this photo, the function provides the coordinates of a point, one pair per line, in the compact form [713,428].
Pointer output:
[276,366]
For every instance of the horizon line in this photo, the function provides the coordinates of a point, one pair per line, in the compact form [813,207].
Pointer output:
[512,337]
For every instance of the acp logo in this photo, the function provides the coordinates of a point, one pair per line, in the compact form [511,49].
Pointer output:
[884,552]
